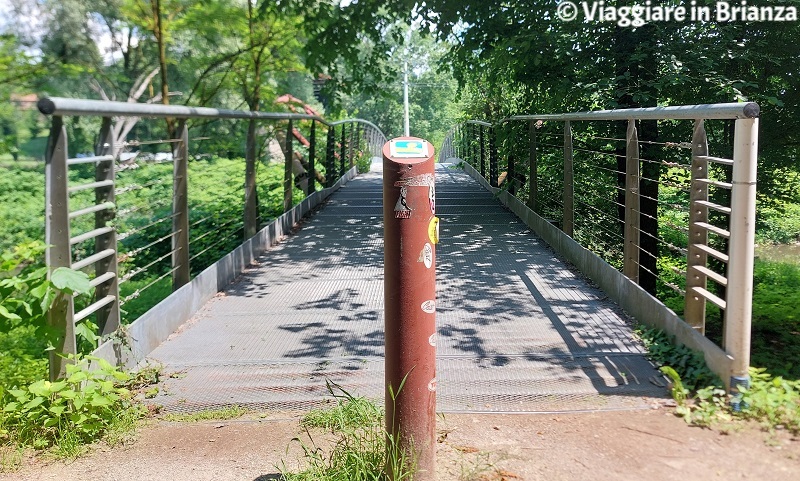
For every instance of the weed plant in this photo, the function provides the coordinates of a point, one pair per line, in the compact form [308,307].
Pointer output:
[67,415]
[360,450]
[772,401]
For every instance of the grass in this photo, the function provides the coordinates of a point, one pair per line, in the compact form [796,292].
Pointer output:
[221,414]
[360,449]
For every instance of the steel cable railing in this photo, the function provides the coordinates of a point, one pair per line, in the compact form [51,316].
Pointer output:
[640,188]
[144,215]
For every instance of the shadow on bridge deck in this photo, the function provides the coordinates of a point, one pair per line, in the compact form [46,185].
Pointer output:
[518,330]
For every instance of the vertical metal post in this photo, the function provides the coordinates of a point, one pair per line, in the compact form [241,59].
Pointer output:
[469,133]
[180,209]
[630,251]
[108,315]
[511,176]
[287,170]
[250,190]
[493,173]
[342,153]
[694,312]
[739,298]
[533,181]
[410,236]
[482,152]
[330,157]
[350,145]
[569,182]
[60,317]
[312,158]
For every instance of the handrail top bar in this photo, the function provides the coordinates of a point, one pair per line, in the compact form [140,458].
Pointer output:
[360,121]
[734,110]
[65,106]
[480,122]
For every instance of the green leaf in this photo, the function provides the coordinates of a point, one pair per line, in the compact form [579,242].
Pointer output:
[40,388]
[58,410]
[35,402]
[70,281]
[8,315]
[84,331]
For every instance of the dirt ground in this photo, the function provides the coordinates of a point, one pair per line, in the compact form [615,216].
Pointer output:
[650,445]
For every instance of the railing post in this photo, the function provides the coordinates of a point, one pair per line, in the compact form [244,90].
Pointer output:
[287,170]
[511,175]
[60,316]
[312,157]
[107,316]
[630,253]
[493,171]
[350,142]
[694,311]
[482,151]
[330,157]
[569,183]
[250,190]
[180,209]
[342,153]
[739,298]
[533,182]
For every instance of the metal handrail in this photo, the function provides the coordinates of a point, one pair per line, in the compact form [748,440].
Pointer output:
[66,106]
[740,110]
[731,363]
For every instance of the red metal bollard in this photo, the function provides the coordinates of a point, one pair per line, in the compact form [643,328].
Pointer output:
[411,231]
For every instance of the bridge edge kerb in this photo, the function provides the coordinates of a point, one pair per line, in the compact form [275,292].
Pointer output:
[46,106]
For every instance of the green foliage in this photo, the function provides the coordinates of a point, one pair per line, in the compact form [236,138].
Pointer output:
[688,366]
[361,449]
[776,318]
[778,224]
[229,412]
[773,401]
[69,413]
[25,292]
[348,413]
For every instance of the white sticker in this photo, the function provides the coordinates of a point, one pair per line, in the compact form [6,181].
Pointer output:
[432,340]
[432,385]
[426,180]
[426,256]
[401,208]
[429,306]
[432,198]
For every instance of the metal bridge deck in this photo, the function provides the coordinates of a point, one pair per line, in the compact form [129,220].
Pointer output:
[518,329]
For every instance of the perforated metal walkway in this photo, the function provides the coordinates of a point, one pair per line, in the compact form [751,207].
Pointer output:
[518,330]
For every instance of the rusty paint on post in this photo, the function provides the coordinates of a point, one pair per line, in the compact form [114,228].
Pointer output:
[410,235]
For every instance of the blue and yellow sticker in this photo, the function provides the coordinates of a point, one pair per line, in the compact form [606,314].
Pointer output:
[405,148]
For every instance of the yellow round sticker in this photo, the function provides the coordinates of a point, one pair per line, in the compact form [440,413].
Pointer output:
[433,230]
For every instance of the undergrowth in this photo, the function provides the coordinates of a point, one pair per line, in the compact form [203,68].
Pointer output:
[360,450]
[772,401]
[66,416]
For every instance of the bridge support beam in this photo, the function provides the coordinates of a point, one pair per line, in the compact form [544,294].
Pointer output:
[411,231]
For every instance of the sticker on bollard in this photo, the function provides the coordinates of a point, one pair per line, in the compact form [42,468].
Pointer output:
[401,209]
[407,149]
[426,256]
[433,230]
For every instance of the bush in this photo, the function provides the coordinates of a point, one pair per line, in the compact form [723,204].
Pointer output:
[67,414]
